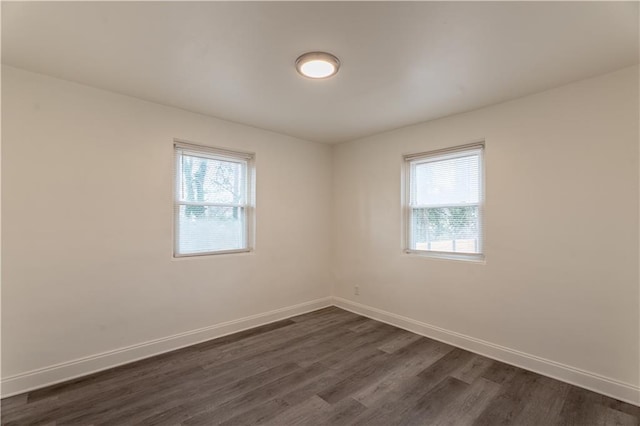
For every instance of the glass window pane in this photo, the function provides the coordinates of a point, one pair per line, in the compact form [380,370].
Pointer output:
[211,180]
[448,181]
[207,229]
[449,229]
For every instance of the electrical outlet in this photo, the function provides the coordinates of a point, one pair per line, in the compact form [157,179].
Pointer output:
[356,290]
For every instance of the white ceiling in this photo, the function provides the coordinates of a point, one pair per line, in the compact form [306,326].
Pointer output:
[402,63]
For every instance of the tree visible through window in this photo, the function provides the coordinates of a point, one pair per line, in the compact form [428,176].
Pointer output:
[212,200]
[445,197]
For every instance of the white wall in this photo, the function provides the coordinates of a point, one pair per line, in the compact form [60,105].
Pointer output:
[87,219]
[87,226]
[561,275]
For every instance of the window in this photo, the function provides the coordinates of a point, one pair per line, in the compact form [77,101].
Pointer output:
[444,202]
[213,201]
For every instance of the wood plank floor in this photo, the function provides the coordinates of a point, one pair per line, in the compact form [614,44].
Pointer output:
[328,367]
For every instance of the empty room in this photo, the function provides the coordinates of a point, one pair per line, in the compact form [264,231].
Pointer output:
[320,213]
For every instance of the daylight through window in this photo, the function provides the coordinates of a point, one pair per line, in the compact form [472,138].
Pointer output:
[444,204]
[213,208]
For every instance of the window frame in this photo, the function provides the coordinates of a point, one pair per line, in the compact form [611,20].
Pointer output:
[409,161]
[248,207]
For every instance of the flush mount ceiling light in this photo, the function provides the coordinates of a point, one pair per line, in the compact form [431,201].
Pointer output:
[317,65]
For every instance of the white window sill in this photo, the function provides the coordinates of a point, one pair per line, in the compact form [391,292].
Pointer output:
[211,254]
[440,255]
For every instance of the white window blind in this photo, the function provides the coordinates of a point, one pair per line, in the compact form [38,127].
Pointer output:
[213,200]
[444,204]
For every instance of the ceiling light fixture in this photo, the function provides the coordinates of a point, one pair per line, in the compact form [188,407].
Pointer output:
[317,65]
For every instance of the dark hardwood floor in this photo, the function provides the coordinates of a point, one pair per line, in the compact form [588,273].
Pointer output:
[328,367]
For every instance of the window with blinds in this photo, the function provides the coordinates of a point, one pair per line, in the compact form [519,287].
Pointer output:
[213,201]
[444,202]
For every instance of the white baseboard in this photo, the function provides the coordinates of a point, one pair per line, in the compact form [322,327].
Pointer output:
[575,376]
[62,372]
